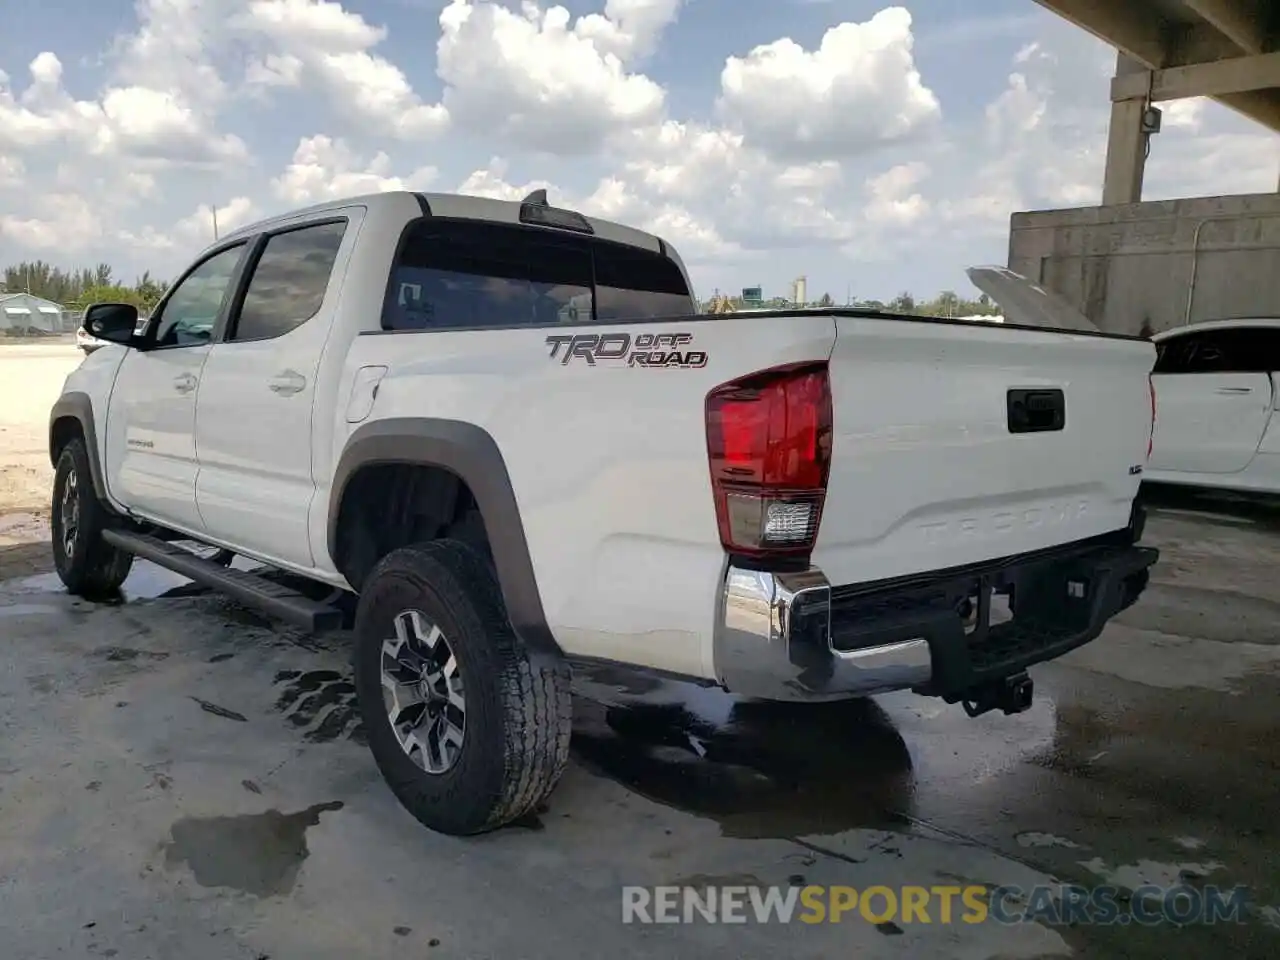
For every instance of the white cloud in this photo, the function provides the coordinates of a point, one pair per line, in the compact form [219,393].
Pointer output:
[318,24]
[837,154]
[149,123]
[893,198]
[173,49]
[858,90]
[321,42]
[490,181]
[323,168]
[535,79]
[198,227]
[613,199]
[195,231]
[273,70]
[1046,137]
[629,29]
[1017,111]
[127,122]
[67,223]
[12,171]
[1184,114]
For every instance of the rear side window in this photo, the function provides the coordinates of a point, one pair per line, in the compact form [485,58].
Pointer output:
[288,283]
[473,275]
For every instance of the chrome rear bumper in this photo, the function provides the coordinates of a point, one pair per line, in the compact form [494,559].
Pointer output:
[795,636]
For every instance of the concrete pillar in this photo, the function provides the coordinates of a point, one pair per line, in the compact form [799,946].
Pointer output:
[1126,154]
[1126,145]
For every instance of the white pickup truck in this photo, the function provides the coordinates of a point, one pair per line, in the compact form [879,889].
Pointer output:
[504,426]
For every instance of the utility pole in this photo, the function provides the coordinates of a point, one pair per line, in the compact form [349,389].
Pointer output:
[213,212]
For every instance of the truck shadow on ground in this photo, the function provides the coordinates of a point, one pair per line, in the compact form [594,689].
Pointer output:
[1255,509]
[761,770]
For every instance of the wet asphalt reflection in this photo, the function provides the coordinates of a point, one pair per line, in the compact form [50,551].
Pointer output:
[1150,755]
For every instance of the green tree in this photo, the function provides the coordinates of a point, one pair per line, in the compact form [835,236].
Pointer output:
[948,304]
[112,293]
[903,303]
[149,291]
[77,287]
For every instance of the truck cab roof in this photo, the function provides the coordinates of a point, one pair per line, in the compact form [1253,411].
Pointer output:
[456,206]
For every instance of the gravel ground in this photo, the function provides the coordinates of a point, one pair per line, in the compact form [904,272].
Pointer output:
[31,378]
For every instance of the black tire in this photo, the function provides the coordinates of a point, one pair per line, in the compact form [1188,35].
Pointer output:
[518,711]
[88,565]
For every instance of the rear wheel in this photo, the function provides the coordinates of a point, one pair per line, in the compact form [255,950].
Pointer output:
[86,564]
[470,730]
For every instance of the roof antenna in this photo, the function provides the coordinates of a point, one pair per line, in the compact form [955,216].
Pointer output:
[538,197]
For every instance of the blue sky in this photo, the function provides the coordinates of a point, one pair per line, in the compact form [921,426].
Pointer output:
[872,148]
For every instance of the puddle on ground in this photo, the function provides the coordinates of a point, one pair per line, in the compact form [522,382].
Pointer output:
[758,769]
[1217,507]
[259,853]
[27,610]
[1131,876]
[146,581]
[320,703]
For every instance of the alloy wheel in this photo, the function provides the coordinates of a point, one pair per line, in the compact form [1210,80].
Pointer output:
[69,513]
[423,693]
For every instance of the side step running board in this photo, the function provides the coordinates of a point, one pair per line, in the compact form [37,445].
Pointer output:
[269,597]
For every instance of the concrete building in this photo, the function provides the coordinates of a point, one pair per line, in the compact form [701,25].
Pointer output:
[1167,263]
[22,312]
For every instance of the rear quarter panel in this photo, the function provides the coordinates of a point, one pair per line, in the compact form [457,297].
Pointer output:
[608,463]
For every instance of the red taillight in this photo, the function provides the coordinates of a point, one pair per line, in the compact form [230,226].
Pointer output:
[769,443]
[1151,437]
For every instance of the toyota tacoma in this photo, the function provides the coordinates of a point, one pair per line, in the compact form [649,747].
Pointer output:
[505,428]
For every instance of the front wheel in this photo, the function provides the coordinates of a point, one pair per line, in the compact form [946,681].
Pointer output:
[88,565]
[470,730]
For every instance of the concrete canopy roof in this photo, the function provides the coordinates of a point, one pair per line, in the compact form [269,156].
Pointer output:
[1225,49]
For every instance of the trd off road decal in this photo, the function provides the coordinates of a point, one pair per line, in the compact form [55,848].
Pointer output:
[642,350]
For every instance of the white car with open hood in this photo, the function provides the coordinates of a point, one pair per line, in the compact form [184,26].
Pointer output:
[503,426]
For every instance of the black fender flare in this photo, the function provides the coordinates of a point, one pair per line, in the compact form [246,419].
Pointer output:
[472,454]
[78,407]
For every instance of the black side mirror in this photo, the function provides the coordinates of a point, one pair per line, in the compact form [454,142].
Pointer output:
[113,322]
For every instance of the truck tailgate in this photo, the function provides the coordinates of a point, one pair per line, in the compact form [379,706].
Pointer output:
[937,463]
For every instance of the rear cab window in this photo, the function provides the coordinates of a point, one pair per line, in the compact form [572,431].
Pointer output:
[475,275]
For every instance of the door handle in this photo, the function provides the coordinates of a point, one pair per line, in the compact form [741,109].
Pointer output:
[288,382]
[1234,390]
[184,383]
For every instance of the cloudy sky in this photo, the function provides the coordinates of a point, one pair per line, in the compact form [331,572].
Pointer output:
[873,148]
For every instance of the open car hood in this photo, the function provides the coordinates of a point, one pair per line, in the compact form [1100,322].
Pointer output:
[1027,303]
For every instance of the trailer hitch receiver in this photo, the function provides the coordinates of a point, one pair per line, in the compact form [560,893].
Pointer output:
[1010,694]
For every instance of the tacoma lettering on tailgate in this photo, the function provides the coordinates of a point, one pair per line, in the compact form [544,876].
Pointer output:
[997,523]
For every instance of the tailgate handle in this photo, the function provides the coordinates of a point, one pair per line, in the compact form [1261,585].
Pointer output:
[1036,411]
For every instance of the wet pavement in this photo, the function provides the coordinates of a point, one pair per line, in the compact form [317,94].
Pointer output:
[179,776]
